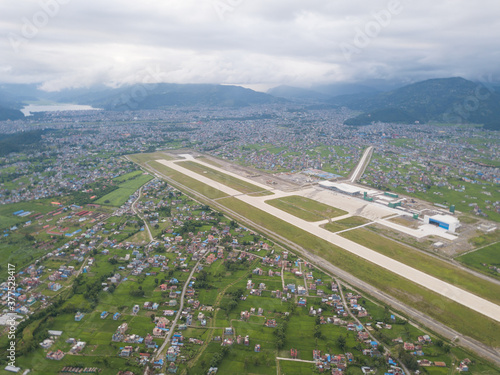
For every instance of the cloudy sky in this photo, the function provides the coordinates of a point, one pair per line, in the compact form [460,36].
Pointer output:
[258,43]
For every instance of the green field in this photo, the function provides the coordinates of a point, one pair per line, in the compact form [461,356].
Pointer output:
[143,158]
[209,161]
[305,208]
[119,196]
[296,368]
[7,218]
[425,263]
[128,176]
[230,181]
[490,256]
[187,181]
[350,222]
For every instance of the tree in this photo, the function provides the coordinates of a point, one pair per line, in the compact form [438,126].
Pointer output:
[341,341]
[317,332]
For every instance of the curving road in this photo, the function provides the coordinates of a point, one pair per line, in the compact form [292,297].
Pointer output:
[139,215]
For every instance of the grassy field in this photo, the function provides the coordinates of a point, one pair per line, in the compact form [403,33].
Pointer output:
[296,368]
[440,308]
[223,178]
[425,263]
[350,222]
[7,218]
[305,208]
[110,364]
[483,239]
[489,255]
[119,196]
[406,221]
[189,182]
[143,158]
[210,161]
[128,176]
[149,160]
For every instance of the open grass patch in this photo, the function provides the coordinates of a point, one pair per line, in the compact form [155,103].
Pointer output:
[127,188]
[230,181]
[305,208]
[406,221]
[348,223]
[297,368]
[425,263]
[209,161]
[144,158]
[187,181]
[483,239]
[128,176]
[483,259]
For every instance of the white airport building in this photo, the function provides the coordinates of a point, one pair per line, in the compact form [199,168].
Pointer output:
[448,222]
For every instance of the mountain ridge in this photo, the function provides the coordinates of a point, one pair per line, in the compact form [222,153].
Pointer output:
[448,100]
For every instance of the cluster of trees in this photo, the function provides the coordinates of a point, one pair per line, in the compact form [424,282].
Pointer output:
[165,211]
[21,141]
[238,264]
[219,356]
[190,226]
[137,292]
[90,288]
[201,280]
[233,300]
[280,333]
[409,360]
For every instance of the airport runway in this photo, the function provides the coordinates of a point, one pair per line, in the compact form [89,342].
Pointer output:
[458,295]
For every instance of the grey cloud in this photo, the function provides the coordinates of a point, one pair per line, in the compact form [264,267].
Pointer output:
[248,41]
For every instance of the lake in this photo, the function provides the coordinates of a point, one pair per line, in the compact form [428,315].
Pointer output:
[32,108]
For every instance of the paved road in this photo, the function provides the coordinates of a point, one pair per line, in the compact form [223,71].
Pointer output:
[474,345]
[181,306]
[295,360]
[443,288]
[138,214]
[355,318]
[360,168]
